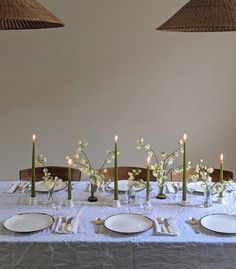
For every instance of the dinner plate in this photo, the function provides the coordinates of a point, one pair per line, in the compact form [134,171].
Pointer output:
[127,223]
[40,186]
[219,223]
[123,186]
[28,222]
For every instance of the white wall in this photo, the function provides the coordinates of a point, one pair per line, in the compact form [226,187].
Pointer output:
[108,71]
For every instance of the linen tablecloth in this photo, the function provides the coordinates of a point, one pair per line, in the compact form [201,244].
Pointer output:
[86,249]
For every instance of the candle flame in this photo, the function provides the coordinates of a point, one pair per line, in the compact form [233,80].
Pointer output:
[34,137]
[221,157]
[116,138]
[70,162]
[148,160]
[185,137]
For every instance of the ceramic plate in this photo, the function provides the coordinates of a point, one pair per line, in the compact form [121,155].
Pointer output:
[123,186]
[40,186]
[128,223]
[219,223]
[28,222]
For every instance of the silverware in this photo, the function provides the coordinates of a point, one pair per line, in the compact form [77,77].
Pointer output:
[97,226]
[168,227]
[62,222]
[68,224]
[161,223]
[175,188]
[194,223]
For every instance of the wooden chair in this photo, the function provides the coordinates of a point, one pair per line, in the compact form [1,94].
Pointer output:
[215,175]
[59,171]
[123,173]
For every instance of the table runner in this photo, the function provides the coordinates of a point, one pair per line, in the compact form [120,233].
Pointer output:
[110,250]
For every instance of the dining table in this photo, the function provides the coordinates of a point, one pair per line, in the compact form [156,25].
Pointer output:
[107,249]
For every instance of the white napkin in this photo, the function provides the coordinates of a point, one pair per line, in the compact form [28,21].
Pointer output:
[14,187]
[63,228]
[170,187]
[172,224]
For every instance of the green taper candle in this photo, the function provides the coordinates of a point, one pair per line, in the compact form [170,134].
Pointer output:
[148,179]
[221,173]
[33,168]
[184,188]
[116,196]
[69,196]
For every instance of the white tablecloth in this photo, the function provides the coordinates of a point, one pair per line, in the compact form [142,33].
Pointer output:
[86,249]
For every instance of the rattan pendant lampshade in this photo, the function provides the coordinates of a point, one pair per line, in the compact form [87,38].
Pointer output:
[203,16]
[26,14]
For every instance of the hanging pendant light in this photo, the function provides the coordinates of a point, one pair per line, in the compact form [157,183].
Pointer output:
[26,14]
[203,16]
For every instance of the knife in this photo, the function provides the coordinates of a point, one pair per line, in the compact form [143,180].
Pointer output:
[168,227]
[68,224]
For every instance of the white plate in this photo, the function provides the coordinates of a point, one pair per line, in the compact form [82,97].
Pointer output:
[219,223]
[123,186]
[196,187]
[28,222]
[127,223]
[40,186]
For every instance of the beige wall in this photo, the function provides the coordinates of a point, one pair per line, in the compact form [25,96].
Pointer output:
[108,71]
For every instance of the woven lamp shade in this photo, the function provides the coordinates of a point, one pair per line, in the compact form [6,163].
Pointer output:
[203,16]
[26,14]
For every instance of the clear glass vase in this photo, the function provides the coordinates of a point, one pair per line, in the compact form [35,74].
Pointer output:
[92,197]
[207,202]
[131,195]
[161,191]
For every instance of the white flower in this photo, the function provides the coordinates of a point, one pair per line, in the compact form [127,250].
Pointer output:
[147,147]
[150,154]
[210,170]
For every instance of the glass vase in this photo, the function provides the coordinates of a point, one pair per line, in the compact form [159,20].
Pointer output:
[161,191]
[51,195]
[92,197]
[207,202]
[131,195]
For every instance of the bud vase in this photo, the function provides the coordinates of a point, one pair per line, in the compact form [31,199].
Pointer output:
[92,197]
[131,195]
[161,191]
[207,202]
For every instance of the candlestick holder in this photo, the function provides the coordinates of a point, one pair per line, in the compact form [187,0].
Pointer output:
[221,200]
[69,203]
[33,201]
[184,203]
[116,203]
[146,205]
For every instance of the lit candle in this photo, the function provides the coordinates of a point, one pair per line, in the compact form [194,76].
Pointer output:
[33,168]
[148,179]
[69,197]
[116,197]
[221,173]
[184,188]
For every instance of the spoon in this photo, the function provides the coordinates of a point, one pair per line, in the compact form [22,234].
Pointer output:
[194,224]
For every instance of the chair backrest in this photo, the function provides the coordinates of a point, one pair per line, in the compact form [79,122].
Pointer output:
[215,175]
[123,173]
[59,171]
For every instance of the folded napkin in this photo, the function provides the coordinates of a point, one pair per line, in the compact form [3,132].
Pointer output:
[66,225]
[168,227]
[14,187]
[170,187]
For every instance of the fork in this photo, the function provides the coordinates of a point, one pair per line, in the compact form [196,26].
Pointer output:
[161,223]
